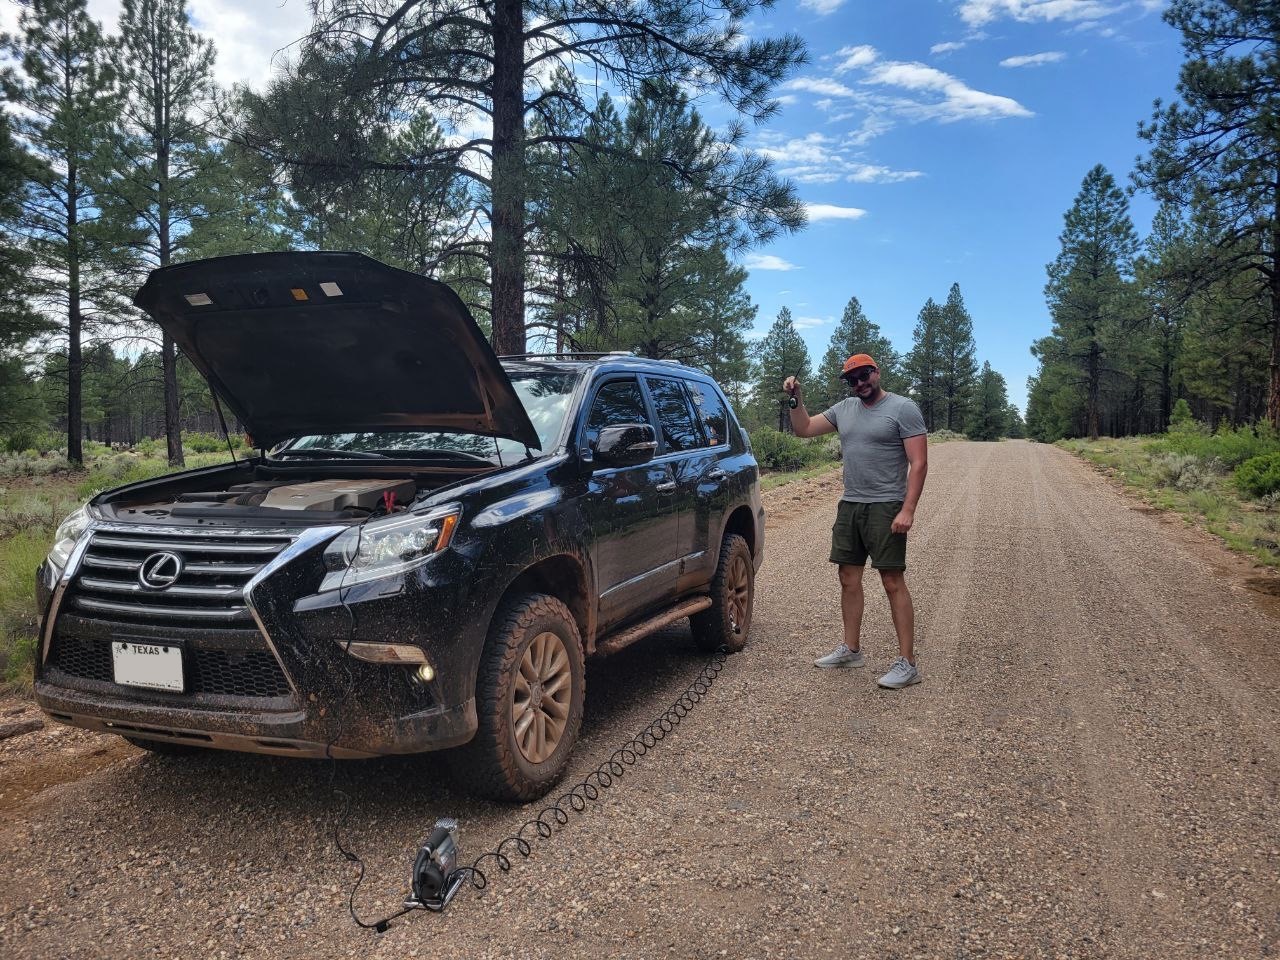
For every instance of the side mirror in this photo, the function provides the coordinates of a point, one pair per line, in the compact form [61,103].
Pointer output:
[626,444]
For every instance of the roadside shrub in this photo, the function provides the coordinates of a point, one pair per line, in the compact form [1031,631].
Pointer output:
[1231,446]
[1259,476]
[30,463]
[210,442]
[1183,472]
[117,470]
[148,446]
[831,447]
[778,451]
[943,435]
[20,440]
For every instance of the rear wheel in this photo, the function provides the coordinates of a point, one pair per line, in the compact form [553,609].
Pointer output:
[529,696]
[728,620]
[165,748]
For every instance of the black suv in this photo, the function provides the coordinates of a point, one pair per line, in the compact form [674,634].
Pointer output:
[424,552]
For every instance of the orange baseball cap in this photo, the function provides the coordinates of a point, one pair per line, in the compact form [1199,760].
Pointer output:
[856,361]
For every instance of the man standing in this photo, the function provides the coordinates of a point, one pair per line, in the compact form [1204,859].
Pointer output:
[885,454]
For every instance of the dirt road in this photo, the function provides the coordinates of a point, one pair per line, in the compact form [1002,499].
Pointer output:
[1090,769]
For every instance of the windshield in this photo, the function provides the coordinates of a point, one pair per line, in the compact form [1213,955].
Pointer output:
[545,397]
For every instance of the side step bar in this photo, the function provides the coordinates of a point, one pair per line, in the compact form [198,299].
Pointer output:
[624,638]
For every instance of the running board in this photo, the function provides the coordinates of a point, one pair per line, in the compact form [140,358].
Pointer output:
[624,638]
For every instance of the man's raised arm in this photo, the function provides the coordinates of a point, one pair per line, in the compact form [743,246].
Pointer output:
[803,425]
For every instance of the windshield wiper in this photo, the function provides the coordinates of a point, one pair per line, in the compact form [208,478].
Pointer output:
[329,452]
[428,452]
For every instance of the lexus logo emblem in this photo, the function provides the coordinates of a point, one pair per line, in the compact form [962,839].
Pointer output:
[160,570]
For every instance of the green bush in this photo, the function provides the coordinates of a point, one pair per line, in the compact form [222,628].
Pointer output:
[19,441]
[1180,414]
[1259,476]
[943,435]
[775,450]
[210,442]
[1231,446]
[149,446]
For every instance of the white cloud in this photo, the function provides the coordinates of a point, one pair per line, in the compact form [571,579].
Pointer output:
[767,261]
[822,7]
[827,211]
[246,33]
[947,47]
[959,101]
[808,323]
[1034,59]
[979,12]
[854,57]
[817,158]
[822,85]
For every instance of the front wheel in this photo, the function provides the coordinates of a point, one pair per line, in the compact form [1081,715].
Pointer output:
[727,621]
[529,696]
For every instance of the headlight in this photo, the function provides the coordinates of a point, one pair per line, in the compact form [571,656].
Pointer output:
[69,532]
[387,547]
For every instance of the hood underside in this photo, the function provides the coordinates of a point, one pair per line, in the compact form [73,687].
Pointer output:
[325,343]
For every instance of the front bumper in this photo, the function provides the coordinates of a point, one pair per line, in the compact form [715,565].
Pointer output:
[322,702]
[284,734]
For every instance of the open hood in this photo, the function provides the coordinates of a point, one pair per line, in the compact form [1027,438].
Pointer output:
[319,343]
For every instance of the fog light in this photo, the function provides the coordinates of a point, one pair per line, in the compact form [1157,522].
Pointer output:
[425,673]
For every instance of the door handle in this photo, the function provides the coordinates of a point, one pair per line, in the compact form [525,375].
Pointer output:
[666,487]
[716,474]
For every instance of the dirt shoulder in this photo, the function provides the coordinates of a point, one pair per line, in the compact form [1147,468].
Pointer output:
[1088,770]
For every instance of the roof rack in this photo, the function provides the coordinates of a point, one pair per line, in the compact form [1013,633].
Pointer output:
[572,355]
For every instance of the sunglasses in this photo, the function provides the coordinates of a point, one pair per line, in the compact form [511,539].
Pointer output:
[862,373]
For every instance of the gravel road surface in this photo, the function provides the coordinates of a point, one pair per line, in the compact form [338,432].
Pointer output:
[1089,769]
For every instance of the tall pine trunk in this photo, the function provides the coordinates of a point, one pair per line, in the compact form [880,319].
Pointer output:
[168,354]
[75,366]
[1094,377]
[508,190]
[1273,394]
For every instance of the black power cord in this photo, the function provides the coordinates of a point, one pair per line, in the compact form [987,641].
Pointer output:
[556,814]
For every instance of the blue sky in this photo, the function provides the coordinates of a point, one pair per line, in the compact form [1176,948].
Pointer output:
[963,154]
[936,141]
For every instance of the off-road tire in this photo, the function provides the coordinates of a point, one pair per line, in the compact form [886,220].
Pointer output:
[492,765]
[732,589]
[165,748]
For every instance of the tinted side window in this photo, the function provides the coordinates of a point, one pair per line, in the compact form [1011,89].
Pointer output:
[710,410]
[618,401]
[679,432]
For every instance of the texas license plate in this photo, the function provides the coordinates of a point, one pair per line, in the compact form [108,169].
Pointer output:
[155,666]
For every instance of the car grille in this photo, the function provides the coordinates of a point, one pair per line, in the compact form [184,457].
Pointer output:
[226,673]
[203,610]
[209,591]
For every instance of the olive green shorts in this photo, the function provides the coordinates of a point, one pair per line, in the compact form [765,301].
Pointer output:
[862,530]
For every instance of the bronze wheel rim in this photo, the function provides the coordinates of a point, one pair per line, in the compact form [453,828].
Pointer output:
[544,690]
[738,590]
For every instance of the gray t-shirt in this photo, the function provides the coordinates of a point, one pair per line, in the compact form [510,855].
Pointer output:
[875,463]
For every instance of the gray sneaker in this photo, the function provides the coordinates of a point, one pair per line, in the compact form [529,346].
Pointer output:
[841,656]
[902,673]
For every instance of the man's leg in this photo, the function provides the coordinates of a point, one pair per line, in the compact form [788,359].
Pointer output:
[851,603]
[904,617]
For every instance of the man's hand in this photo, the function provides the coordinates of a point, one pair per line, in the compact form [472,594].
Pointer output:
[902,522]
[793,389]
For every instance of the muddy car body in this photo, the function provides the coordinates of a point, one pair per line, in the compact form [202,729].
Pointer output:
[431,549]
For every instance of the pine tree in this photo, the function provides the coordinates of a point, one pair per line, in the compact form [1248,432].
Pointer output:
[959,368]
[989,412]
[161,154]
[383,60]
[853,334]
[66,97]
[1088,290]
[1223,137]
[780,354]
[925,365]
